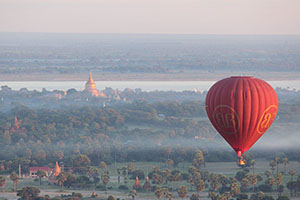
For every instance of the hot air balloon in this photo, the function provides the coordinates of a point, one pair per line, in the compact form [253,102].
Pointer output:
[241,109]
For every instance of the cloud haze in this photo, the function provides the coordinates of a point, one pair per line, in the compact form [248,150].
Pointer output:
[151,16]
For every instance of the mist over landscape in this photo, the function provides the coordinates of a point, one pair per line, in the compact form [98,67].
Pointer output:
[51,111]
[175,57]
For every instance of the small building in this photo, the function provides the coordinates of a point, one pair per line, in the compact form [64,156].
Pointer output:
[33,171]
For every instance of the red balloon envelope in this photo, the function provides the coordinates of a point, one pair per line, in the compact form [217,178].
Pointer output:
[241,109]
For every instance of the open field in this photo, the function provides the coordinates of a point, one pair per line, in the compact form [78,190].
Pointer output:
[227,168]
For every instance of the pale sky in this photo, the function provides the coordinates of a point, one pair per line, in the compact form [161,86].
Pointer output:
[151,16]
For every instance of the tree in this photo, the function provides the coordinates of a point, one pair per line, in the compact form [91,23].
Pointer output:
[278,180]
[61,178]
[268,173]
[15,179]
[200,185]
[292,186]
[253,180]
[41,174]
[102,165]
[80,162]
[158,192]
[182,191]
[198,160]
[71,179]
[214,181]
[130,167]
[169,195]
[105,178]
[245,183]
[235,189]
[28,193]
[132,194]
[170,162]
[271,182]
[292,173]
[285,161]
[110,198]
[157,179]
[252,163]
[2,182]
[195,197]
[272,165]
[277,161]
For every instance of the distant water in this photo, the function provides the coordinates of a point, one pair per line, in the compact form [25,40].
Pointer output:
[121,85]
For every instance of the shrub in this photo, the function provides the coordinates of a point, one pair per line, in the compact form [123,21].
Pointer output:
[138,173]
[123,187]
[265,188]
[110,198]
[101,187]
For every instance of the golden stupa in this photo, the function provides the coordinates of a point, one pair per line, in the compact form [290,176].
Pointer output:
[56,170]
[90,86]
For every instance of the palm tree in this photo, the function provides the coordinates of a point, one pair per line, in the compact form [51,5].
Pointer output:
[102,165]
[15,179]
[285,161]
[268,173]
[277,161]
[198,160]
[119,174]
[2,182]
[132,194]
[278,179]
[292,173]
[158,192]
[194,197]
[253,180]
[252,163]
[245,183]
[170,162]
[214,181]
[169,195]
[105,178]
[41,174]
[272,165]
[130,167]
[235,189]
[182,191]
[200,185]
[271,182]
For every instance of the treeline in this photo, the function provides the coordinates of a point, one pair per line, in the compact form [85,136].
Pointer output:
[135,131]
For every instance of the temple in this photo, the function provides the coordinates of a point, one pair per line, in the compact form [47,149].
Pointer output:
[16,127]
[90,86]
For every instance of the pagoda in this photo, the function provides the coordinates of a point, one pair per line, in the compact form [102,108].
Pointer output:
[137,184]
[90,86]
[56,170]
[147,186]
[16,127]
